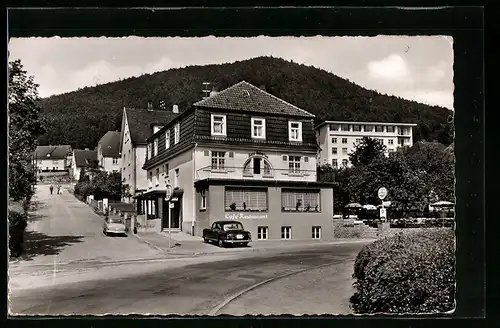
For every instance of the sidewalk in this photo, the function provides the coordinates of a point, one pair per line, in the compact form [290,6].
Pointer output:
[160,241]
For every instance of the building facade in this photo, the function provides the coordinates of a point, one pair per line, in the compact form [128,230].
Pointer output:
[82,158]
[108,152]
[53,158]
[240,154]
[137,126]
[337,139]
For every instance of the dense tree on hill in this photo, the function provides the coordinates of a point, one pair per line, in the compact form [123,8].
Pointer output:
[82,117]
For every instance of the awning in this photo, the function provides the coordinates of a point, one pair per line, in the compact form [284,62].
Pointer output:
[156,192]
[176,193]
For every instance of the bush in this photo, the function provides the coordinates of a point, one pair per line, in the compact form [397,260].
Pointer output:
[17,225]
[406,273]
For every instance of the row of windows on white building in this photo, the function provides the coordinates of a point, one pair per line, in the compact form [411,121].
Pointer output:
[369,128]
[286,232]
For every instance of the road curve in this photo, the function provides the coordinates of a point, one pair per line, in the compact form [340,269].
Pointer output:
[194,289]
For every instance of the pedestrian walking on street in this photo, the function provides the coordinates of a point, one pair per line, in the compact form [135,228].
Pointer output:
[51,189]
[58,189]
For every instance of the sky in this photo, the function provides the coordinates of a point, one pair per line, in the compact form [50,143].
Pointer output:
[417,68]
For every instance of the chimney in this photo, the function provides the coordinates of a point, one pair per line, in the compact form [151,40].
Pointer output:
[150,105]
[213,93]
[175,109]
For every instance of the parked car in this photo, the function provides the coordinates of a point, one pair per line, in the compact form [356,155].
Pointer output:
[227,233]
[115,225]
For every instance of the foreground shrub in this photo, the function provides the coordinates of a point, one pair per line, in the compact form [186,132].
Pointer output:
[406,273]
[17,225]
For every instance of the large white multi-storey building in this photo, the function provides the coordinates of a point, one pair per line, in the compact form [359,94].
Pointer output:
[337,139]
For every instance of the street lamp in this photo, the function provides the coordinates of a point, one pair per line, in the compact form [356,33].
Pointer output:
[168,195]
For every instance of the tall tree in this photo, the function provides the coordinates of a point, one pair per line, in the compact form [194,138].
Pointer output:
[24,127]
[366,151]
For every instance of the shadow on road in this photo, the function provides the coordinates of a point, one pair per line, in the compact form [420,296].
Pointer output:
[37,205]
[32,217]
[36,244]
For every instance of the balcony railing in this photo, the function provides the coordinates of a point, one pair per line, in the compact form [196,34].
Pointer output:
[239,173]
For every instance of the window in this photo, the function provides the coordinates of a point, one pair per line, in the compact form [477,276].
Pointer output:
[150,179]
[344,127]
[381,140]
[295,131]
[356,128]
[358,141]
[368,128]
[344,151]
[262,233]
[316,232]
[294,164]
[391,150]
[155,148]
[344,140]
[334,127]
[218,160]
[115,160]
[165,169]
[300,200]
[245,199]
[334,163]
[203,199]
[55,162]
[218,125]
[167,139]
[286,232]
[334,150]
[177,133]
[176,179]
[157,177]
[148,152]
[344,162]
[390,128]
[390,142]
[379,128]
[258,128]
[334,140]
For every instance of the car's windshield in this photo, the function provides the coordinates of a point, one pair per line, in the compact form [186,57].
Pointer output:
[232,226]
[115,220]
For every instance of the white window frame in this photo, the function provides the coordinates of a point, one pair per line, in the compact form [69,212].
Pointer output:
[390,142]
[149,151]
[262,233]
[345,162]
[316,232]
[220,160]
[344,141]
[155,147]
[344,151]
[203,200]
[115,160]
[157,176]
[176,178]
[177,133]
[334,140]
[286,232]
[335,152]
[335,163]
[262,125]
[294,164]
[167,139]
[212,121]
[292,130]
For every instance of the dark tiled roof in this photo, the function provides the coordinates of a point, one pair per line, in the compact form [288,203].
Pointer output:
[244,96]
[110,144]
[140,122]
[84,157]
[55,152]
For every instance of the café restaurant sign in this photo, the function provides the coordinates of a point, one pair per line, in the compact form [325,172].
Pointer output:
[244,216]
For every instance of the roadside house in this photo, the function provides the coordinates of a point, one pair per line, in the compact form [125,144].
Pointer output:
[51,159]
[137,126]
[239,154]
[82,159]
[108,152]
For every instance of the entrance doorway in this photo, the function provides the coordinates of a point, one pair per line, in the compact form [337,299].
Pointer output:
[256,165]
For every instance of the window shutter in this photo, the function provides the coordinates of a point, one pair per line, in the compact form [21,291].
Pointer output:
[285,158]
[206,153]
[230,161]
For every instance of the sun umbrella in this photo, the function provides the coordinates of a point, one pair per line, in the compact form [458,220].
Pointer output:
[353,205]
[443,203]
[386,204]
[369,207]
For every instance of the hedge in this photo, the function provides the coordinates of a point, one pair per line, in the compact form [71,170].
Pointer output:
[406,273]
[17,225]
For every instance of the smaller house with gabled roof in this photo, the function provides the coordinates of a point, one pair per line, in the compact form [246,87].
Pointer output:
[137,126]
[108,152]
[55,158]
[82,159]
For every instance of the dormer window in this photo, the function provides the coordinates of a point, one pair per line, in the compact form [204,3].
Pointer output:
[155,149]
[177,133]
[258,128]
[295,131]
[167,139]
[148,152]
[218,125]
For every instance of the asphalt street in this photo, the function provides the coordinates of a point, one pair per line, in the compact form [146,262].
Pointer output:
[72,268]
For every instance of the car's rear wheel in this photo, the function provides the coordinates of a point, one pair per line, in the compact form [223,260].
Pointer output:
[221,243]
[205,240]
[105,232]
[244,244]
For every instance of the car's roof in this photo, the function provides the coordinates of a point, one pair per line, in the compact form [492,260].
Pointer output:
[227,221]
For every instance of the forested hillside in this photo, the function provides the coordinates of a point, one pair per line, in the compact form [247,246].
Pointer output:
[82,117]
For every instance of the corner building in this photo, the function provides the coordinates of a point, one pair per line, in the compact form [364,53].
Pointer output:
[240,154]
